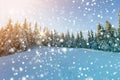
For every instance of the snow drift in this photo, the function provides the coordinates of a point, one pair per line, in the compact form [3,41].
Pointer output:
[46,63]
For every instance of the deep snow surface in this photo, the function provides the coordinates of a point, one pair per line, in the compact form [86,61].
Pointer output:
[60,64]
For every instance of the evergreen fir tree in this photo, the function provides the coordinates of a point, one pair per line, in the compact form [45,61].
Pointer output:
[62,40]
[82,40]
[72,44]
[78,44]
[36,36]
[25,34]
[67,39]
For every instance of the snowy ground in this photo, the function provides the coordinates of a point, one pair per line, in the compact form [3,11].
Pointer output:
[60,64]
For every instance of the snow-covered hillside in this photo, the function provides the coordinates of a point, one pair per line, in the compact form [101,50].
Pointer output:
[60,64]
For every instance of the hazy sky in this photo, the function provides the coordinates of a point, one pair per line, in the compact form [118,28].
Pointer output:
[61,14]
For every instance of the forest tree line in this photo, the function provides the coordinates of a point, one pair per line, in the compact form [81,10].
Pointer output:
[17,37]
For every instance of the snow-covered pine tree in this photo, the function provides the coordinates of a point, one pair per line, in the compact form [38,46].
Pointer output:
[72,43]
[30,36]
[62,40]
[101,37]
[77,40]
[36,35]
[67,39]
[25,35]
[110,36]
[92,41]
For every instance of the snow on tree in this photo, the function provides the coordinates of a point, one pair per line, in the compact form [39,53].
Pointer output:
[16,37]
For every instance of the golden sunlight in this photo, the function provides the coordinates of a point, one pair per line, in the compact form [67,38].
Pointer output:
[20,9]
[13,6]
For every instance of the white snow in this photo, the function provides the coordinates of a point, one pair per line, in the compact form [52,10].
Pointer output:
[45,63]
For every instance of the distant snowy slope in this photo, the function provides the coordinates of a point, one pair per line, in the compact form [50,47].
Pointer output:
[60,64]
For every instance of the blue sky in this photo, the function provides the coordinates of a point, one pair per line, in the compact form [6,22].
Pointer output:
[61,15]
